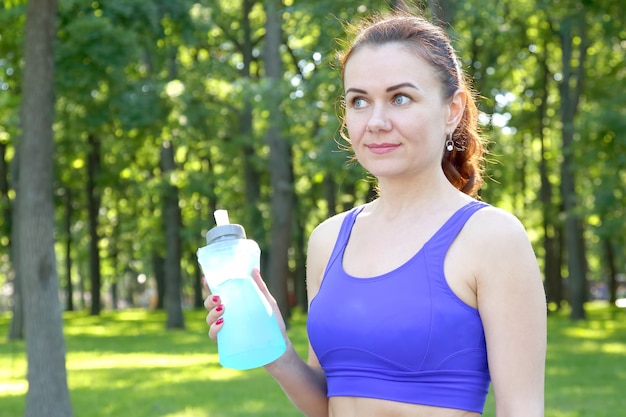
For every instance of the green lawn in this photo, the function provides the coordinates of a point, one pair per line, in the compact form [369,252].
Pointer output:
[126,364]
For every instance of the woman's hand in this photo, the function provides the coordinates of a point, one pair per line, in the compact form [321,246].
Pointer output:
[214,319]
[258,280]
[213,304]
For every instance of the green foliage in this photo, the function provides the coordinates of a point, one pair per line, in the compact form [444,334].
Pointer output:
[125,363]
[138,73]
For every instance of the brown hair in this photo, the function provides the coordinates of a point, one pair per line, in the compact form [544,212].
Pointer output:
[463,168]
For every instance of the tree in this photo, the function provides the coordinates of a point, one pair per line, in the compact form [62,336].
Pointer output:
[93,204]
[570,88]
[172,224]
[251,112]
[36,262]
[12,22]
[281,200]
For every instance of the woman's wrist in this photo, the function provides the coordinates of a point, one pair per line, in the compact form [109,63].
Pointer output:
[284,361]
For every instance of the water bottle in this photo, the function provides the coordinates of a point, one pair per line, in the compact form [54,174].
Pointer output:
[250,336]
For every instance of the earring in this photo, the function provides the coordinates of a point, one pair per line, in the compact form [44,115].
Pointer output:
[449,143]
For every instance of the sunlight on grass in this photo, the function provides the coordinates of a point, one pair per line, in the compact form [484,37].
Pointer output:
[586,333]
[614,348]
[12,369]
[13,388]
[557,413]
[86,360]
[584,369]
[189,412]
[222,374]
[558,370]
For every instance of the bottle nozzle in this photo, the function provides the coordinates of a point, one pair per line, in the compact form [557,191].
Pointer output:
[221,217]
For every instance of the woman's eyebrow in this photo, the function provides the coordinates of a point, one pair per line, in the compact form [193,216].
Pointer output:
[356,90]
[398,86]
[389,89]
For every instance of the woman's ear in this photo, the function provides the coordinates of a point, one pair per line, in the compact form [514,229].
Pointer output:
[456,107]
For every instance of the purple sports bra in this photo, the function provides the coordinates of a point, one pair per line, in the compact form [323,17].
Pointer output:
[404,335]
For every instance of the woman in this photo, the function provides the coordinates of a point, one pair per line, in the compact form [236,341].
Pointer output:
[423,297]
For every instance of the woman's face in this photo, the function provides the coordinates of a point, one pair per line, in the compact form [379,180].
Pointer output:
[396,117]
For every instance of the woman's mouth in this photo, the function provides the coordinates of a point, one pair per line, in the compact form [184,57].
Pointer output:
[382,148]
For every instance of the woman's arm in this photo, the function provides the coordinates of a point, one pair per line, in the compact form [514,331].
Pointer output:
[512,305]
[303,383]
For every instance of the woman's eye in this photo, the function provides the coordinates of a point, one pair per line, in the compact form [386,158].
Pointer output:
[358,103]
[401,99]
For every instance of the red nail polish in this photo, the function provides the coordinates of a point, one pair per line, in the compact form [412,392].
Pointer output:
[219,321]
[219,307]
[215,299]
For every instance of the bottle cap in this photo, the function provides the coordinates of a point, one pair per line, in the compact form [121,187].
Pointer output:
[221,217]
[224,229]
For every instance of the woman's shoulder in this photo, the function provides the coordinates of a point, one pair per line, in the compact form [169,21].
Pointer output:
[493,221]
[320,247]
[322,239]
[327,231]
[493,232]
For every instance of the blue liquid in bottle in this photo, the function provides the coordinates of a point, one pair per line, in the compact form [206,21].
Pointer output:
[250,336]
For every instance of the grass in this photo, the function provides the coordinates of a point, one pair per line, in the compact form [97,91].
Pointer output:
[126,363]
[586,364]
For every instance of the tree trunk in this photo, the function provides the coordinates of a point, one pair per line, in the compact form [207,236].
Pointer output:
[16,329]
[330,193]
[551,227]
[208,207]
[158,264]
[349,188]
[281,202]
[611,270]
[69,289]
[299,275]
[570,90]
[48,393]
[114,289]
[93,208]
[172,222]
[5,200]
[198,299]
[81,289]
[252,177]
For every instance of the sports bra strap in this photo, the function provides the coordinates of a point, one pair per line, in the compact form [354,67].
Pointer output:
[344,235]
[444,237]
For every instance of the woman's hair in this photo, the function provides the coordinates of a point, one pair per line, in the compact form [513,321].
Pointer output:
[463,168]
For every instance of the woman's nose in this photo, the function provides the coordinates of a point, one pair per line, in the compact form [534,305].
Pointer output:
[379,120]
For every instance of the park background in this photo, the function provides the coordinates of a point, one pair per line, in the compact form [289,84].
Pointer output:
[125,123]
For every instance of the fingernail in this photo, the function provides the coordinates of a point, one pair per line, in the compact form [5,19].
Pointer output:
[219,307]
[215,299]
[219,321]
